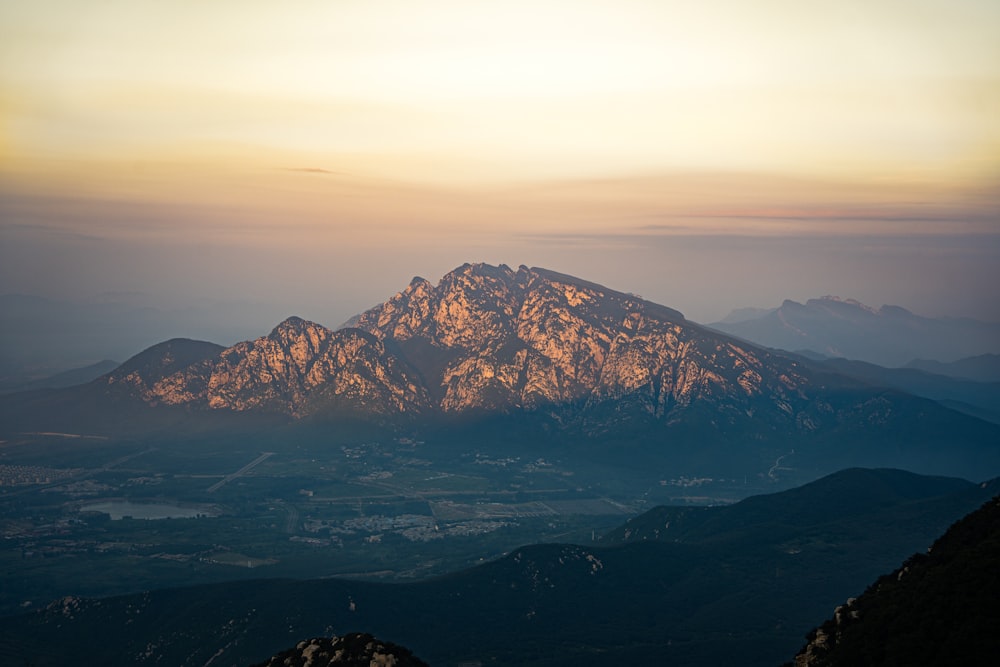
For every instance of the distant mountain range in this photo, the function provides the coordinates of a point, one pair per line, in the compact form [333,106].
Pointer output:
[889,336]
[531,356]
[42,337]
[981,368]
[740,584]
[979,399]
[70,378]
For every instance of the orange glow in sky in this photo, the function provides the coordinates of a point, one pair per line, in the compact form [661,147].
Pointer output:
[546,132]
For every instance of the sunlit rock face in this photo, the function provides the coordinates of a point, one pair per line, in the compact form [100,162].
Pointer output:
[509,339]
[489,338]
[139,374]
[299,368]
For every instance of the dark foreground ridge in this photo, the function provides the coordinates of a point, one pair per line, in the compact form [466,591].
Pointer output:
[740,584]
[938,608]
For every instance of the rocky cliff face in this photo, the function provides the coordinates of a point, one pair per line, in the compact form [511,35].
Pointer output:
[299,368]
[140,373]
[489,338]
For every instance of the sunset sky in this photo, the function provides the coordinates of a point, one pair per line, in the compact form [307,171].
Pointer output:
[311,156]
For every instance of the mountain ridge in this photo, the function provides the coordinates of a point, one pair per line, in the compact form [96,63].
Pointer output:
[890,336]
[845,493]
[980,368]
[554,358]
[498,339]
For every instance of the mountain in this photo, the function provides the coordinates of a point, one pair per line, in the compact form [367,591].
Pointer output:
[152,365]
[489,338]
[841,497]
[40,337]
[352,650]
[981,368]
[979,399]
[746,314]
[298,369]
[738,585]
[121,403]
[938,608]
[68,378]
[537,357]
[890,336]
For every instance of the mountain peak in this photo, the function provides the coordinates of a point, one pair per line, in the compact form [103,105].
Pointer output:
[490,337]
[291,324]
[300,368]
[835,301]
[161,360]
[490,340]
[484,269]
[417,283]
[894,311]
[566,356]
[890,336]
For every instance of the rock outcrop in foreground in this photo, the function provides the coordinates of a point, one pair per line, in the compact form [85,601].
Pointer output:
[352,650]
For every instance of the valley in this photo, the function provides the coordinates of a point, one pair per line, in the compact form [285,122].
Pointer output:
[740,583]
[126,516]
[550,470]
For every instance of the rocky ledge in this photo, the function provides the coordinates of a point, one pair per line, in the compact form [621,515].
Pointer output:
[352,650]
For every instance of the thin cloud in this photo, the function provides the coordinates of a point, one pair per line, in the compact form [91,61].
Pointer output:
[49,232]
[314,170]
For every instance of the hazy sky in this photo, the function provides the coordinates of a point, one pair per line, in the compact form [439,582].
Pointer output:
[311,156]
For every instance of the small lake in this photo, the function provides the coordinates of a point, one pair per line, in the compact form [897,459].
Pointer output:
[118,509]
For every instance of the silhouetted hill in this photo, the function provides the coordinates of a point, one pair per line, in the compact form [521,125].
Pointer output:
[939,608]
